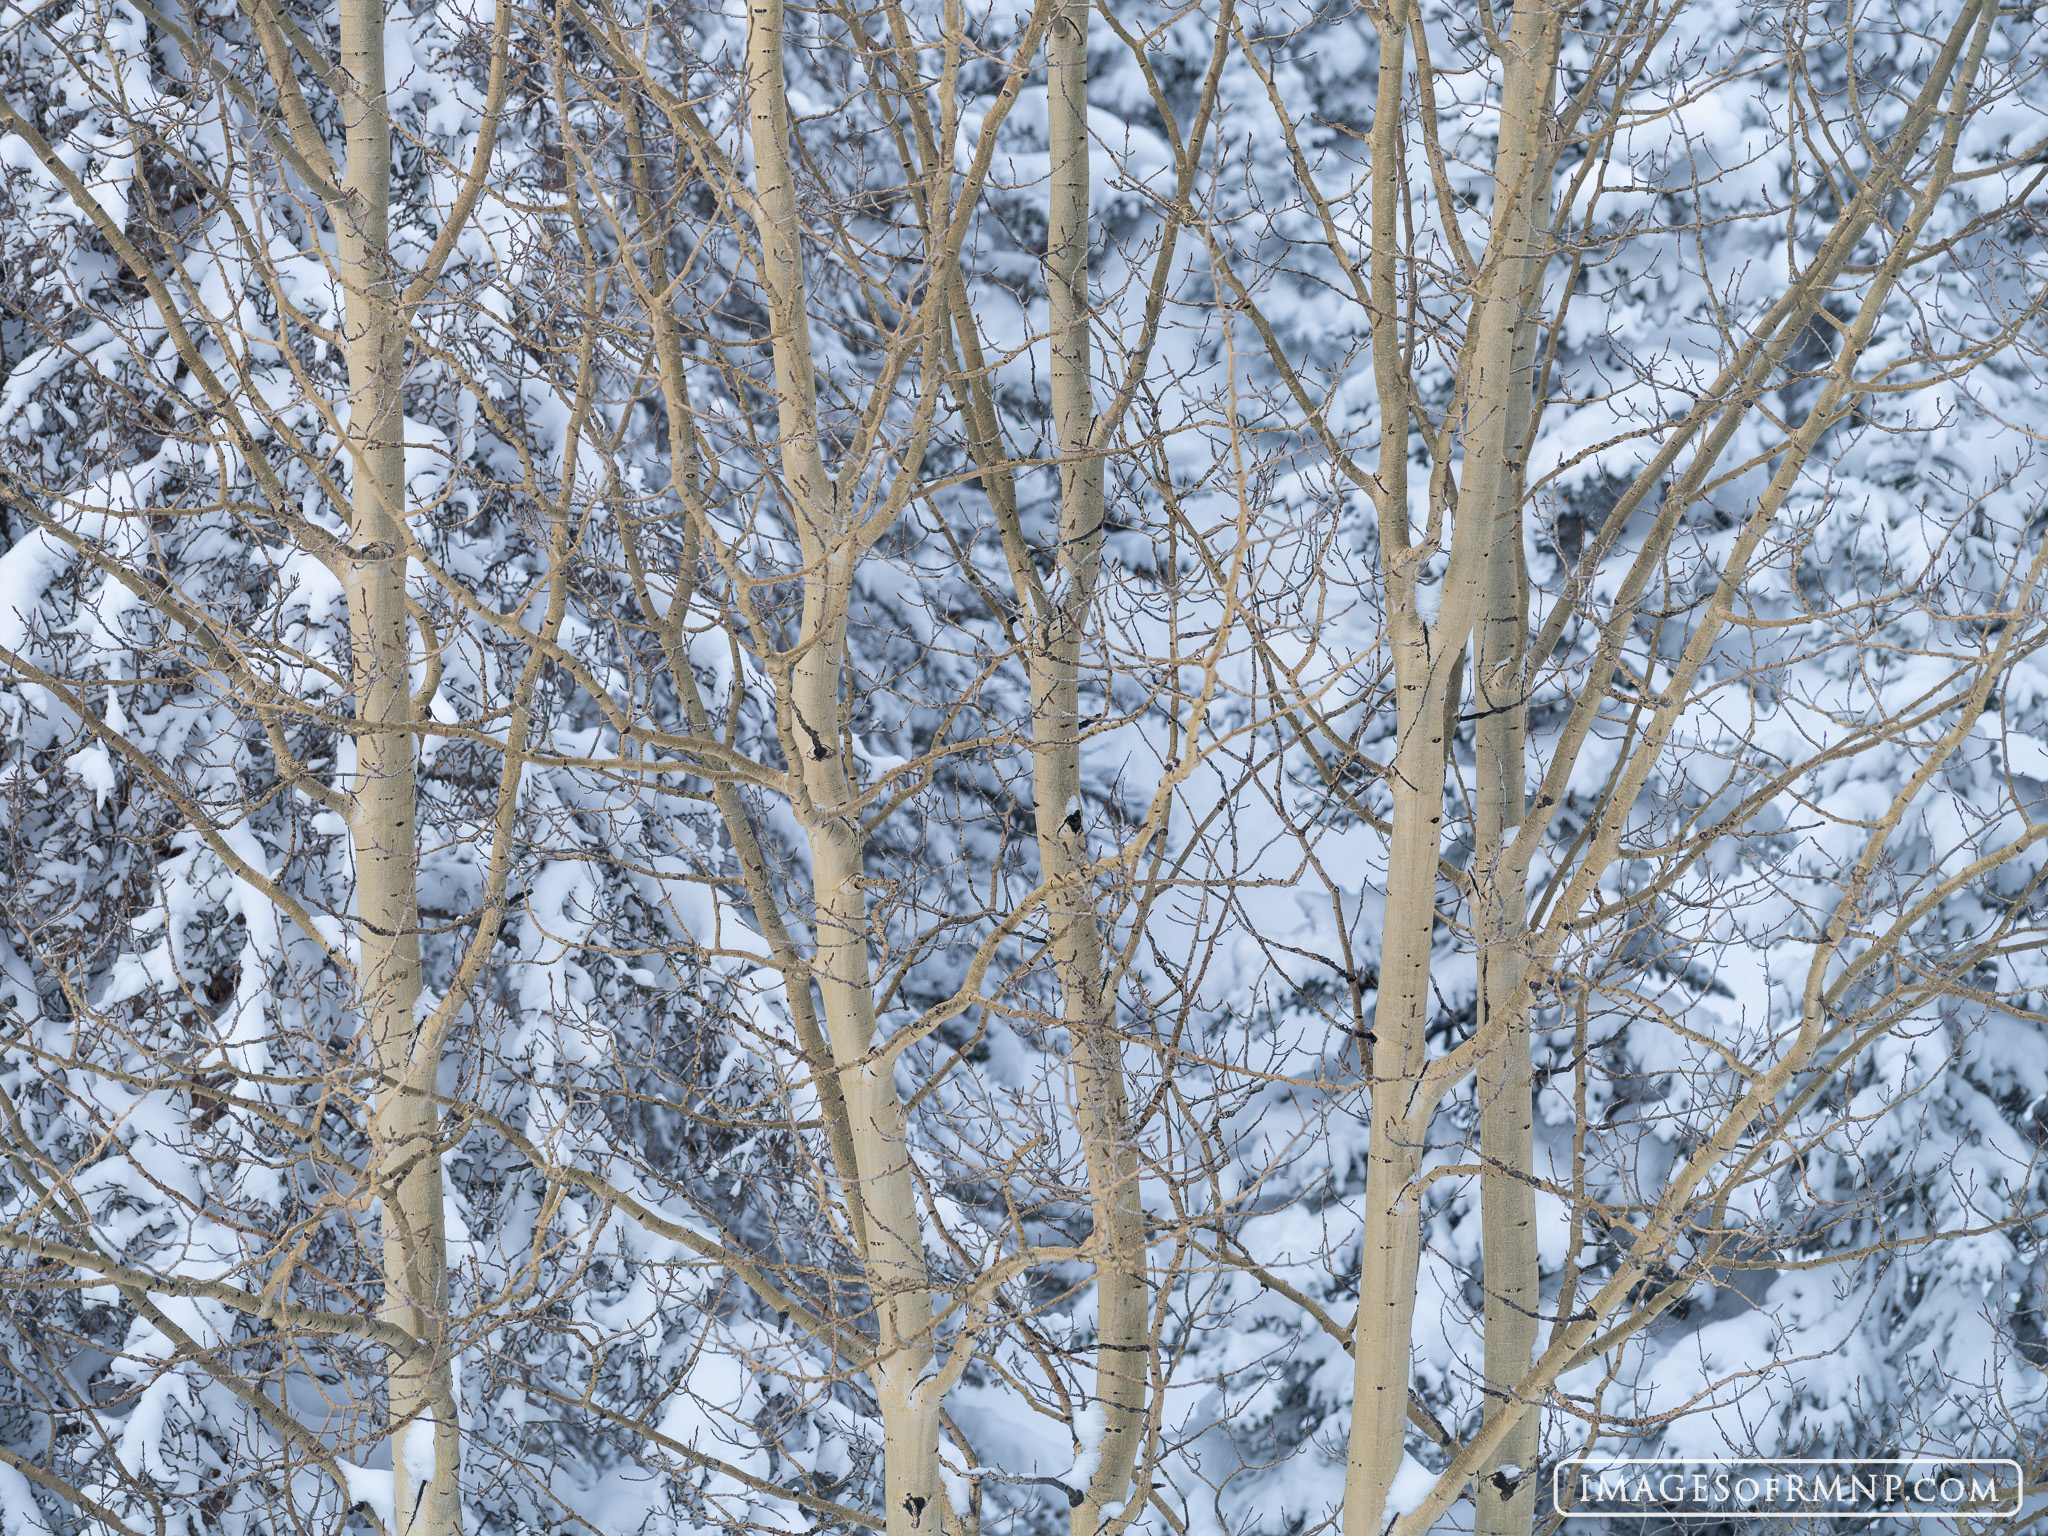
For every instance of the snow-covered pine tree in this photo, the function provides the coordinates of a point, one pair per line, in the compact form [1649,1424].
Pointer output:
[1684,311]
[664,878]
[529,1002]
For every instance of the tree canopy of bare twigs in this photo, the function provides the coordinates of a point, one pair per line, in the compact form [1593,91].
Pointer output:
[1228,768]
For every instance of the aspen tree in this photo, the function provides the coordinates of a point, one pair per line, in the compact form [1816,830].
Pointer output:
[1087,1000]
[1477,536]
[425,1432]
[681,692]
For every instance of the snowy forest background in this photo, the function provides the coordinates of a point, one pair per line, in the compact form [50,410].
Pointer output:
[748,790]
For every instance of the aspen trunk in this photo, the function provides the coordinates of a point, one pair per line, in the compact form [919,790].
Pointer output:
[1392,1237]
[1481,587]
[898,1286]
[1390,1243]
[686,476]
[813,732]
[1086,1006]
[406,1168]
[1506,1503]
[1505,1498]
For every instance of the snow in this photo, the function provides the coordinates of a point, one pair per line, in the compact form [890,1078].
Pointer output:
[374,1488]
[1089,1426]
[419,1449]
[19,1513]
[632,1053]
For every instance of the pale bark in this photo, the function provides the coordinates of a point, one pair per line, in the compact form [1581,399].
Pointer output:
[1507,1196]
[1056,616]
[1392,1236]
[813,736]
[1391,1240]
[863,1115]
[1087,1002]
[686,478]
[1481,584]
[1425,665]
[1505,1497]
[898,1285]
[406,1170]
[1514,1384]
